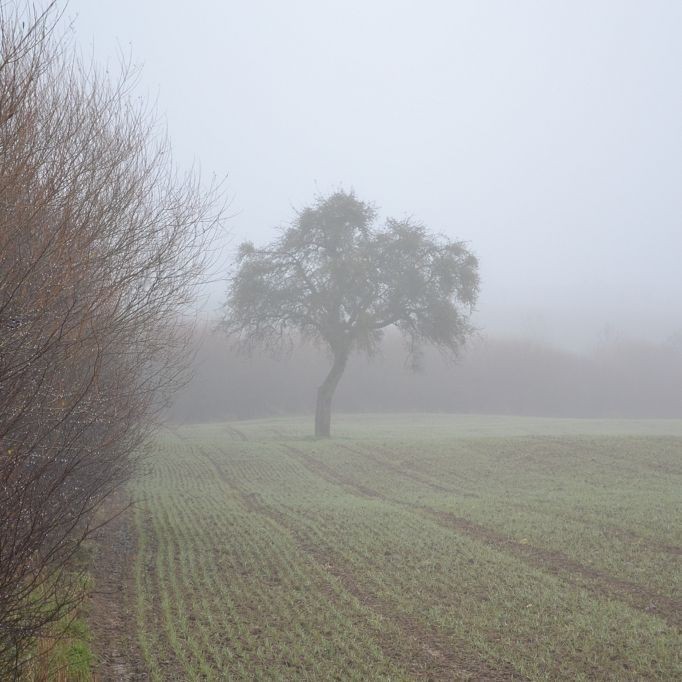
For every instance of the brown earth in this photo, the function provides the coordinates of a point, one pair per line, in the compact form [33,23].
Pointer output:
[111,617]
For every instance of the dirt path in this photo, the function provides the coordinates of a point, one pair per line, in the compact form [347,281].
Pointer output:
[111,617]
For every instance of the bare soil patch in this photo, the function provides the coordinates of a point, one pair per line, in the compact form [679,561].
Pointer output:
[111,617]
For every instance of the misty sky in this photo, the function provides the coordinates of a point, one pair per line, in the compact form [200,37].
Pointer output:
[547,134]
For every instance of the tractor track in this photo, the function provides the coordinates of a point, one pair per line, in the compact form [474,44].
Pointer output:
[424,652]
[554,562]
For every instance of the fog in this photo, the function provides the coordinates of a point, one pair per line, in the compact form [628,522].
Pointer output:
[493,376]
[342,340]
[546,135]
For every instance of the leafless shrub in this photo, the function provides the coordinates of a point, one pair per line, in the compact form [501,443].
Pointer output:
[101,245]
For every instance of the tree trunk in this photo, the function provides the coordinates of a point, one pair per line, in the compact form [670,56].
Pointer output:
[325,393]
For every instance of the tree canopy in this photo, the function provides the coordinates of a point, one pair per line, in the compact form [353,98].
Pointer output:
[337,278]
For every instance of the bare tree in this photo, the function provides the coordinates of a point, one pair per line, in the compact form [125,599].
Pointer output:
[335,278]
[101,247]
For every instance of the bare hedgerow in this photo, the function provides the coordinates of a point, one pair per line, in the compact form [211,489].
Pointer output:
[102,244]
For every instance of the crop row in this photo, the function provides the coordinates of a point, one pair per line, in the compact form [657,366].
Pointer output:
[295,560]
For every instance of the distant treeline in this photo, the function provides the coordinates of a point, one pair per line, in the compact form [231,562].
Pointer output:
[493,376]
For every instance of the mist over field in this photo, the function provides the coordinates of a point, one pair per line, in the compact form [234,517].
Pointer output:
[546,135]
[340,340]
[493,376]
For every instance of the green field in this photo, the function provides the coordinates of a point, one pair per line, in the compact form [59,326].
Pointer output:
[412,547]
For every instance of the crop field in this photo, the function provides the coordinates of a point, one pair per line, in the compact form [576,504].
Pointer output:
[411,547]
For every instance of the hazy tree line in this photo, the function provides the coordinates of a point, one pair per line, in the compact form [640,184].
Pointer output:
[494,375]
[101,242]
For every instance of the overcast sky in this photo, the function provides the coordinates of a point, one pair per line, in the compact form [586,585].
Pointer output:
[546,134]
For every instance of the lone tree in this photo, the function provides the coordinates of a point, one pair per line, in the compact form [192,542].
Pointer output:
[335,278]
